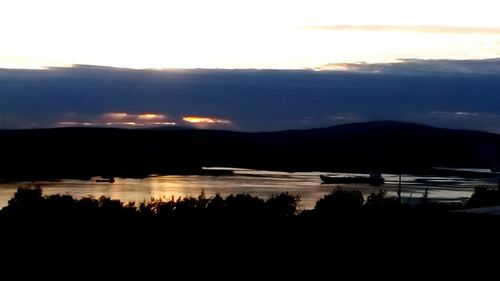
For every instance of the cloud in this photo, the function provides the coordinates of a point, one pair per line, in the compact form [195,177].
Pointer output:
[411,28]
[118,119]
[421,66]
[346,117]
[151,116]
[206,120]
[73,123]
[115,115]
[457,114]
[485,121]
[436,92]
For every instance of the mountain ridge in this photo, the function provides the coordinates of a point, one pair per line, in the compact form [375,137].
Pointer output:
[379,145]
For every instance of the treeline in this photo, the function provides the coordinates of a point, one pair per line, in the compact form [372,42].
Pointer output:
[30,206]
[219,230]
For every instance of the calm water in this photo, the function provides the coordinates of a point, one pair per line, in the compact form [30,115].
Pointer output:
[255,182]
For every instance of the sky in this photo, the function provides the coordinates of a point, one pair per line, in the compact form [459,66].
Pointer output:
[269,34]
[249,65]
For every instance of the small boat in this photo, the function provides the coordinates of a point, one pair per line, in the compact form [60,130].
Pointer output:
[374,179]
[110,180]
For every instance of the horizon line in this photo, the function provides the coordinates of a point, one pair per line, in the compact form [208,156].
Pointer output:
[183,128]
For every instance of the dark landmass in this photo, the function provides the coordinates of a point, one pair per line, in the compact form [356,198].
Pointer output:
[373,146]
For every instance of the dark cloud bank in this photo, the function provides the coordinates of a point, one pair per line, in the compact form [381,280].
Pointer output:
[448,93]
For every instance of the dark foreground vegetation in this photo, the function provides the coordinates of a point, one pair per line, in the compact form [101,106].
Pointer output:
[237,236]
[341,221]
[242,236]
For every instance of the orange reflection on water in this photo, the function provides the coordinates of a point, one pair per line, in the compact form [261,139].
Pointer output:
[263,184]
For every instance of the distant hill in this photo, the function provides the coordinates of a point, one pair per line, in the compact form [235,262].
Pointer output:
[383,146]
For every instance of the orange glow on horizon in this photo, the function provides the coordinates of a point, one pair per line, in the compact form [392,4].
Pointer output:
[166,123]
[121,119]
[194,119]
[116,115]
[204,120]
[150,116]
[123,124]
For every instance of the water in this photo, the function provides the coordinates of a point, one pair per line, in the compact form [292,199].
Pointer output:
[255,182]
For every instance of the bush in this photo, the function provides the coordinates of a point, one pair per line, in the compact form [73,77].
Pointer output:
[340,201]
[283,205]
[484,197]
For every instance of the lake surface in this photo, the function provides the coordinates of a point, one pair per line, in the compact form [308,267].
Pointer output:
[255,182]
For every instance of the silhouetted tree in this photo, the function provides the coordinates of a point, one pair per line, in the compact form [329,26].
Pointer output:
[379,202]
[26,201]
[283,205]
[340,201]
[216,205]
[483,197]
[244,205]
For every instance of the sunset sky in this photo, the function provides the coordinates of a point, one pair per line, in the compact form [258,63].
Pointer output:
[243,34]
[249,65]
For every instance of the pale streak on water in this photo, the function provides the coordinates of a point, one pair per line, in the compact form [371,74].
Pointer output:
[255,182]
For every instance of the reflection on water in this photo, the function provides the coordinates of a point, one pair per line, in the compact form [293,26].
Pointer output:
[255,182]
